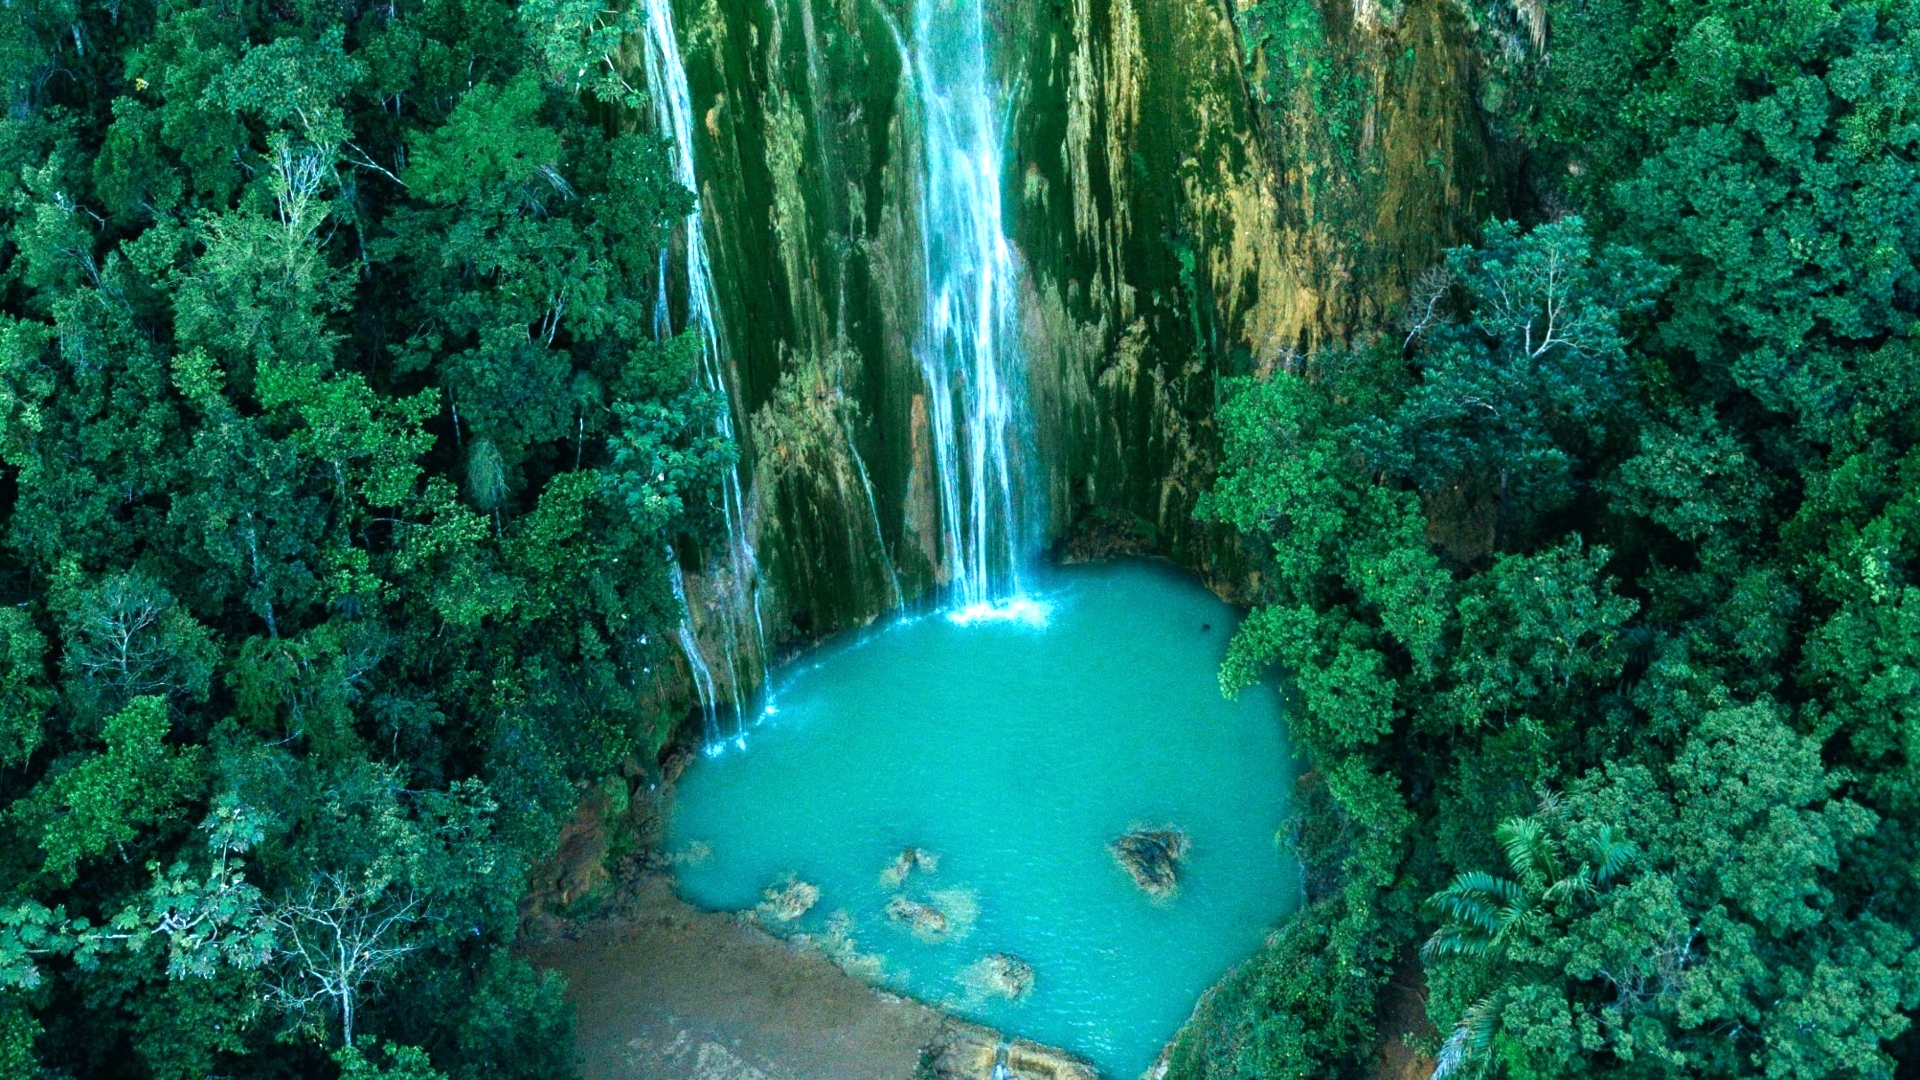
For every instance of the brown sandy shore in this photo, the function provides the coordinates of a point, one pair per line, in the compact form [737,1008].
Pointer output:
[669,992]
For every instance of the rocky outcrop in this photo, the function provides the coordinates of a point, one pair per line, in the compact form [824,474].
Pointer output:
[787,901]
[1031,1061]
[971,1052]
[904,864]
[1152,857]
[962,1052]
[924,920]
[1000,975]
[610,840]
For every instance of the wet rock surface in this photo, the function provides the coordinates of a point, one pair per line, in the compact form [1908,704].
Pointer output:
[1031,1061]
[788,901]
[903,865]
[965,1051]
[1152,857]
[1000,975]
[924,920]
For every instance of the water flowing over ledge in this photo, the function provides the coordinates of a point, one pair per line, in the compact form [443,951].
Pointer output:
[732,619]
[972,271]
[967,346]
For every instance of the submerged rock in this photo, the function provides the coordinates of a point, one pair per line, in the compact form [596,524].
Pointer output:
[924,920]
[909,860]
[1152,856]
[695,853]
[788,901]
[946,915]
[999,975]
[838,945]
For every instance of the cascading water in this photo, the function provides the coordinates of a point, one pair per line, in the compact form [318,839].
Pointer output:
[735,577]
[702,675]
[967,346]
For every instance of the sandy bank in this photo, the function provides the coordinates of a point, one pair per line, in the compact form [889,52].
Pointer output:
[668,992]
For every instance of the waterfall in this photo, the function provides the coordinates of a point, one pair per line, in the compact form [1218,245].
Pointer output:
[734,608]
[966,346]
[702,675]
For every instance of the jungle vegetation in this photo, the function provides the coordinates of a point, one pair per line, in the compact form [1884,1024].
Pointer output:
[1592,587]
[340,461]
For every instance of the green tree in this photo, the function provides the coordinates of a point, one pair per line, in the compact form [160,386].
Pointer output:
[278,287]
[102,802]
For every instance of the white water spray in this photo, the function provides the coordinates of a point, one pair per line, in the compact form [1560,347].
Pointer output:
[967,346]
[736,576]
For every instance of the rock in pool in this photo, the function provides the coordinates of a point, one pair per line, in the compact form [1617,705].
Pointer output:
[924,920]
[1152,856]
[909,860]
[788,901]
[1000,975]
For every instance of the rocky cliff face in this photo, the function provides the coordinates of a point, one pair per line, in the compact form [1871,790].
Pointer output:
[1188,198]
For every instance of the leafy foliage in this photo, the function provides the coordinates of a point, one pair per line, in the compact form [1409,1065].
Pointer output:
[337,463]
[1602,567]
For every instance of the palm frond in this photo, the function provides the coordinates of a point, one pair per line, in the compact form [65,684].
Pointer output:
[1513,915]
[1477,898]
[1578,883]
[1479,912]
[1551,805]
[1465,1051]
[1530,851]
[1615,854]
[1456,941]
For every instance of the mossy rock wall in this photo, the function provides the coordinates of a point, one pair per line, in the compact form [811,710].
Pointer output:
[1179,214]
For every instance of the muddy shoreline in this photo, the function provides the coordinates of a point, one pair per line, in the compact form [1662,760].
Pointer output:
[665,991]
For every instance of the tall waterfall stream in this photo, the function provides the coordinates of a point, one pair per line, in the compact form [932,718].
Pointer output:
[967,346]
[735,609]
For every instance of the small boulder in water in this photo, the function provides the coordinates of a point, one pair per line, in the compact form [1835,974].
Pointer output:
[909,860]
[1001,975]
[788,901]
[1152,856]
[925,920]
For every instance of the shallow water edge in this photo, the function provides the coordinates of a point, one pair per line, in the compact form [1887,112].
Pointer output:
[666,991]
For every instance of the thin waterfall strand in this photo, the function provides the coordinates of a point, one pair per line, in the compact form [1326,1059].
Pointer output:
[873,512]
[737,578]
[696,664]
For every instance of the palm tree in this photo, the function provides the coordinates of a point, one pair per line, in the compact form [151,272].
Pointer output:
[1482,913]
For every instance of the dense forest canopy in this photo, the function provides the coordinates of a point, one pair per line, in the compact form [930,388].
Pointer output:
[1592,586]
[341,455]
[340,464]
